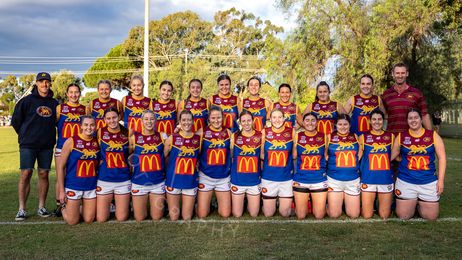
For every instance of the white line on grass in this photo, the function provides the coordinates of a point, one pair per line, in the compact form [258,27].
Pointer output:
[454,159]
[249,221]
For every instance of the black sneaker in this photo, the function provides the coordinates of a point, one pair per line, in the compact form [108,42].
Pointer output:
[43,212]
[57,211]
[21,215]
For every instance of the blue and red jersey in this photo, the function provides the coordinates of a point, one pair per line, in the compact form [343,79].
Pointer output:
[215,158]
[311,162]
[97,108]
[360,115]
[327,115]
[342,163]
[200,111]
[230,110]
[246,167]
[258,109]
[278,163]
[114,155]
[68,121]
[166,113]
[133,109]
[375,164]
[148,159]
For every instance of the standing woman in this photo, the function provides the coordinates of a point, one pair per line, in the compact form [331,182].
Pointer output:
[419,182]
[291,111]
[310,172]
[198,105]
[375,168]
[104,101]
[258,106]
[148,179]
[228,102]
[246,167]
[114,175]
[215,166]
[134,104]
[278,165]
[183,150]
[343,153]
[326,110]
[77,174]
[165,109]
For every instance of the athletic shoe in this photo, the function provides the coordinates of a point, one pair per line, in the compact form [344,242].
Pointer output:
[43,212]
[21,215]
[57,211]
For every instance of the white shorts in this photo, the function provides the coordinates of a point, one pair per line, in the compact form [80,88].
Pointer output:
[207,183]
[379,188]
[139,190]
[173,191]
[424,192]
[58,152]
[118,188]
[310,187]
[80,194]
[251,190]
[349,187]
[273,189]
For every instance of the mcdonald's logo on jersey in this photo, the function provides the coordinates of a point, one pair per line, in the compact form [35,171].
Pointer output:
[198,124]
[135,124]
[379,162]
[216,156]
[418,163]
[150,162]
[100,123]
[258,123]
[185,165]
[277,158]
[247,164]
[70,129]
[115,160]
[310,162]
[325,126]
[345,159]
[228,120]
[165,126]
[363,123]
[86,169]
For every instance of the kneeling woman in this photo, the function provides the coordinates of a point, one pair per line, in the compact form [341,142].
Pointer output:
[114,175]
[343,153]
[77,173]
[310,172]
[278,165]
[148,179]
[419,182]
[183,150]
[246,167]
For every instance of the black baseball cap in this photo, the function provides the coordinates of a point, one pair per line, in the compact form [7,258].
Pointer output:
[42,76]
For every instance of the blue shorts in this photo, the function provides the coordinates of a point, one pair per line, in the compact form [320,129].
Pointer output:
[28,156]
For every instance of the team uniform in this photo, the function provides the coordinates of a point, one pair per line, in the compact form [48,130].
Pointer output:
[230,110]
[327,113]
[200,111]
[417,170]
[148,165]
[114,174]
[290,112]
[165,116]
[68,123]
[362,109]
[376,172]
[82,168]
[342,163]
[215,160]
[278,166]
[258,109]
[246,166]
[133,109]
[182,175]
[97,108]
[310,171]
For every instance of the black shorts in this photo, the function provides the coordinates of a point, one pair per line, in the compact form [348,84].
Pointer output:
[28,156]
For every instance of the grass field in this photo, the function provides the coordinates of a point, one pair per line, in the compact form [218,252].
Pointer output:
[216,238]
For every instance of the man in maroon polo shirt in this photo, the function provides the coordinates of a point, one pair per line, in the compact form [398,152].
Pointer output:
[399,98]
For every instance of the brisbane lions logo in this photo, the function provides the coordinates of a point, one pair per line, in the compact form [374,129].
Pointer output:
[44,111]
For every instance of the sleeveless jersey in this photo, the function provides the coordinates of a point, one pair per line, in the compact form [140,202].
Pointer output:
[278,164]
[311,162]
[327,115]
[375,163]
[68,122]
[246,170]
[418,158]
[114,155]
[97,108]
[148,159]
[133,109]
[362,109]
[200,112]
[215,158]
[181,169]
[165,115]
[82,164]
[342,164]
[290,112]
[230,110]
[258,109]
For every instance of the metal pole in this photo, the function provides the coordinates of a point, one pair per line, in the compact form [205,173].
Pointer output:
[146,48]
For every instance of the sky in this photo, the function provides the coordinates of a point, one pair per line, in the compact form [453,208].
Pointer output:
[42,35]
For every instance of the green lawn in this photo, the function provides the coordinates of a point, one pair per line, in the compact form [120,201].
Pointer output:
[392,239]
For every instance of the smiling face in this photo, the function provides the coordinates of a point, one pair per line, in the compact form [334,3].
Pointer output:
[376,122]
[246,122]
[216,119]
[343,127]
[186,121]
[365,86]
[310,123]
[136,86]
[323,93]
[166,92]
[277,119]
[400,75]
[73,94]
[414,121]
[112,120]
[88,126]
[149,121]
[104,91]
[224,87]
[195,89]
[43,87]
[254,87]
[284,95]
